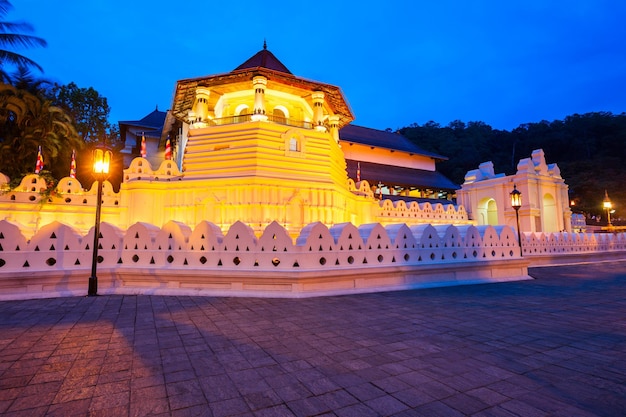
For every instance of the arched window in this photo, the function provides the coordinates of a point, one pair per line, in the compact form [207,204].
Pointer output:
[279,116]
[294,144]
[241,113]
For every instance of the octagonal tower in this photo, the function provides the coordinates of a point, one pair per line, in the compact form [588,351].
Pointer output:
[257,145]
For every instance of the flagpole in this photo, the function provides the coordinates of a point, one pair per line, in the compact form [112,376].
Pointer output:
[73,164]
[39,165]
[144,152]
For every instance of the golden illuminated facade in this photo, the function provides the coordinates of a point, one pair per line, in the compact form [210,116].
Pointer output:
[255,145]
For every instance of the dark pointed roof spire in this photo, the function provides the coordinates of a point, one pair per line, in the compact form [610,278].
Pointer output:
[264,59]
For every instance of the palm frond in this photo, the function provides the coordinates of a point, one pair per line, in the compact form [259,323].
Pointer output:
[19,40]
[17,59]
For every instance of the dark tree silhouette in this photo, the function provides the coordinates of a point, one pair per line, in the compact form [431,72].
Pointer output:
[13,35]
[589,149]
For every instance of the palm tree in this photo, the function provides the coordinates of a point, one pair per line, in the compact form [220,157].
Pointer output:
[10,37]
[23,79]
[28,121]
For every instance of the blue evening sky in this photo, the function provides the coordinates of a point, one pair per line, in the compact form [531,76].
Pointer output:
[398,62]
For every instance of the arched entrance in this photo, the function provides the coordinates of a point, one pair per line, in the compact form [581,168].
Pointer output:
[550,218]
[487,213]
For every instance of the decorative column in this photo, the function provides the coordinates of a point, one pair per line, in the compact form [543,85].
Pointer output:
[201,108]
[333,121]
[318,111]
[258,83]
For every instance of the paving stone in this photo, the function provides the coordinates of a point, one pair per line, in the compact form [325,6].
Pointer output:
[31,401]
[413,397]
[276,411]
[71,408]
[31,412]
[366,391]
[523,409]
[292,392]
[496,411]
[230,407]
[260,400]
[357,410]
[465,404]
[145,405]
[117,400]
[386,405]
[310,406]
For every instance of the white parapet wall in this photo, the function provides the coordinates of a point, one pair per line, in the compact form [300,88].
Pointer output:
[566,248]
[174,259]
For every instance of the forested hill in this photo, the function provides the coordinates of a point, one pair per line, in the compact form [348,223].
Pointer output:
[590,150]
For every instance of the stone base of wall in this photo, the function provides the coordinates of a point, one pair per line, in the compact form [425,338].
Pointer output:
[556,259]
[287,284]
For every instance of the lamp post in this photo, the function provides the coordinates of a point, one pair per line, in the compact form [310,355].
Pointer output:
[606,203]
[516,203]
[101,165]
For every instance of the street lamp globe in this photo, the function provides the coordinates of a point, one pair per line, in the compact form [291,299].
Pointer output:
[516,198]
[101,162]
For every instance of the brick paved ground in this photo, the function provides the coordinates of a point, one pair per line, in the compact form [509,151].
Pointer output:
[554,346]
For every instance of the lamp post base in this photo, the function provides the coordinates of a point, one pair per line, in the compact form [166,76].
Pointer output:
[93,286]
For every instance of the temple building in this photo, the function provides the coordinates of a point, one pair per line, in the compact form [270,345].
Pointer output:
[392,165]
[259,144]
[545,202]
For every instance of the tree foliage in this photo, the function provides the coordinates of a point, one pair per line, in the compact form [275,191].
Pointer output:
[13,35]
[28,121]
[89,110]
[589,149]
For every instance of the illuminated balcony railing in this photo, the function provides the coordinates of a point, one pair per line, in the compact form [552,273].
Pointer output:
[290,122]
[243,118]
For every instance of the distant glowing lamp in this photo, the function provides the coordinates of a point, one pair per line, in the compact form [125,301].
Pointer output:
[606,203]
[101,166]
[516,203]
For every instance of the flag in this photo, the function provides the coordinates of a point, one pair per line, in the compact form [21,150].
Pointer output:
[73,165]
[39,166]
[358,171]
[143,146]
[168,149]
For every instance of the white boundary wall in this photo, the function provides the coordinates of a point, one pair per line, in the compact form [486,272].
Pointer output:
[177,260]
[342,259]
[566,248]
